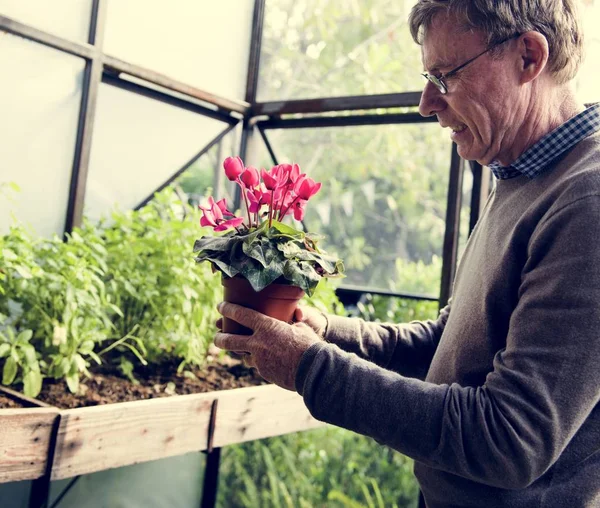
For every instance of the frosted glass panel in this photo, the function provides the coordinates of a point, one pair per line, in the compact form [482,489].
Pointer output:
[66,18]
[202,43]
[40,94]
[138,144]
[589,75]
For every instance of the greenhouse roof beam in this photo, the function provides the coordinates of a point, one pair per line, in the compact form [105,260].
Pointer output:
[342,121]
[110,78]
[19,29]
[228,105]
[326,104]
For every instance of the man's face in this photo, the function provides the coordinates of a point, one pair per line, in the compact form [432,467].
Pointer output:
[484,99]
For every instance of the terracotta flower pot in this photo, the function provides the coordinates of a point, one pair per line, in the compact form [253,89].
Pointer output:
[276,300]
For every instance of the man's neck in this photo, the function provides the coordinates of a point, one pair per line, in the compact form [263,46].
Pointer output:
[544,113]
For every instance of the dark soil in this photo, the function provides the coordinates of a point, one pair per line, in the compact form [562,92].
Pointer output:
[8,403]
[107,384]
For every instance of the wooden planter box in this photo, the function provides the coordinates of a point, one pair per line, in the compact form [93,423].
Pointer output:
[25,438]
[96,438]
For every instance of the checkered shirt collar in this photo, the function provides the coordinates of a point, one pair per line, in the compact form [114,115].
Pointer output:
[535,160]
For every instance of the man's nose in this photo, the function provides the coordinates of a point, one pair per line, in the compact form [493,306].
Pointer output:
[432,100]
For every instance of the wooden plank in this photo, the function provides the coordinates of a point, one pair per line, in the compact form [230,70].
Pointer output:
[247,414]
[103,437]
[22,398]
[24,440]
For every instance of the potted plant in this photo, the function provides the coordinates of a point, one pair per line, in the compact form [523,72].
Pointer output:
[266,264]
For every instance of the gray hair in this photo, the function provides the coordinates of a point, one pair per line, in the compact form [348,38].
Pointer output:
[557,20]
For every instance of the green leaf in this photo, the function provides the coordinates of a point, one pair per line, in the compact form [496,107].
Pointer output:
[95,357]
[9,255]
[79,362]
[303,275]
[23,271]
[86,347]
[73,382]
[63,367]
[9,372]
[32,383]
[25,336]
[287,230]
[263,250]
[29,353]
[4,350]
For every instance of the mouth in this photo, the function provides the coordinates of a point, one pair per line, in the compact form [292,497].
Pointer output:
[457,128]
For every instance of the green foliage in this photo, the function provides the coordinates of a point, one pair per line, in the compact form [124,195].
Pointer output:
[129,285]
[165,298]
[417,278]
[322,468]
[20,358]
[267,253]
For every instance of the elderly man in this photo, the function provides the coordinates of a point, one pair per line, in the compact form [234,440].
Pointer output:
[498,399]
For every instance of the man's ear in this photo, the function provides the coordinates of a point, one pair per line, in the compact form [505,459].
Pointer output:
[534,51]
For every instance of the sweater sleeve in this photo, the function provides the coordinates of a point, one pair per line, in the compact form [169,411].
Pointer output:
[404,348]
[543,386]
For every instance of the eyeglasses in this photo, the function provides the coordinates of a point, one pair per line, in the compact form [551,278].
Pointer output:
[440,80]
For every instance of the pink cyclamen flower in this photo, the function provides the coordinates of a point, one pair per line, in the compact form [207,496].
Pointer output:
[222,204]
[250,177]
[213,216]
[273,178]
[294,173]
[234,167]
[231,223]
[299,209]
[255,200]
[306,187]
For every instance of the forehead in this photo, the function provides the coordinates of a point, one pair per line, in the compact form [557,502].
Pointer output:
[446,44]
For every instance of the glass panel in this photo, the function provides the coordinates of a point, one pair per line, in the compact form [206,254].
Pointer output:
[587,79]
[206,176]
[319,48]
[66,18]
[383,202]
[205,44]
[40,95]
[175,482]
[138,144]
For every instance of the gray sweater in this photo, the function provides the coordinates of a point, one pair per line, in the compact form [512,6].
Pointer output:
[498,400]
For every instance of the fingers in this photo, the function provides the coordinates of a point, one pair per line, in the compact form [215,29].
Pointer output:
[244,316]
[219,323]
[232,342]
[248,361]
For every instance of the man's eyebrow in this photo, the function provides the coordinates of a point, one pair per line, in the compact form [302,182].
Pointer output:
[434,69]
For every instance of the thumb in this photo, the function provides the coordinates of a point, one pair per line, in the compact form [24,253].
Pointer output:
[298,315]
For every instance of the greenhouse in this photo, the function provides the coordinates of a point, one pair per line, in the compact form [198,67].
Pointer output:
[157,156]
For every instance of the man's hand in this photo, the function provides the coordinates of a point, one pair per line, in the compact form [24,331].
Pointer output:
[274,348]
[313,318]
